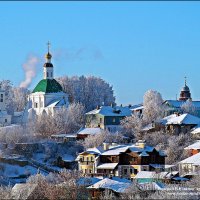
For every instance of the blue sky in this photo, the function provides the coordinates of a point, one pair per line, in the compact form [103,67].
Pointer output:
[135,46]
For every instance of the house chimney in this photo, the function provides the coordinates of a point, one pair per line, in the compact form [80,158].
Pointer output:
[129,105]
[177,114]
[141,143]
[105,146]
[98,107]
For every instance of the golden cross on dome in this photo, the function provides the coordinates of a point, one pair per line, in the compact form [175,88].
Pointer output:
[48,45]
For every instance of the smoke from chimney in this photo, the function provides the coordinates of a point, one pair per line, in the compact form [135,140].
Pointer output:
[30,68]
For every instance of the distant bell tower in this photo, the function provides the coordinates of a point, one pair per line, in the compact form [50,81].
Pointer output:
[48,66]
[185,92]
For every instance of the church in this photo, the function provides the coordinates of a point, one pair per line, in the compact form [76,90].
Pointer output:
[185,95]
[48,94]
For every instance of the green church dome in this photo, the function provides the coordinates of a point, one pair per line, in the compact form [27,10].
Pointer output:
[48,86]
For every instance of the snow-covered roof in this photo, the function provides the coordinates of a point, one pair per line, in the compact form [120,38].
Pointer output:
[196,129]
[64,135]
[137,107]
[107,166]
[54,103]
[169,166]
[157,166]
[68,158]
[178,104]
[116,150]
[145,174]
[144,154]
[196,145]
[95,150]
[114,185]
[136,148]
[111,111]
[22,188]
[181,119]
[150,175]
[87,181]
[89,131]
[148,127]
[195,159]
[166,119]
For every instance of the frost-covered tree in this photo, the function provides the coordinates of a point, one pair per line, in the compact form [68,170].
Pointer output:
[153,110]
[132,125]
[65,120]
[61,185]
[20,96]
[95,140]
[188,107]
[153,106]
[105,136]
[16,97]
[5,192]
[175,149]
[90,91]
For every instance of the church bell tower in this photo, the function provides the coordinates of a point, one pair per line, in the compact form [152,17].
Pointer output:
[185,93]
[48,66]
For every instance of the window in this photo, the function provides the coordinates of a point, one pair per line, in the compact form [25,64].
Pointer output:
[90,171]
[125,171]
[6,120]
[114,120]
[51,74]
[91,158]
[131,171]
[101,120]
[36,105]
[114,159]
[47,74]
[135,171]
[134,159]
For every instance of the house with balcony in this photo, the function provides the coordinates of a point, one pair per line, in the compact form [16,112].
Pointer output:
[88,160]
[190,166]
[122,160]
